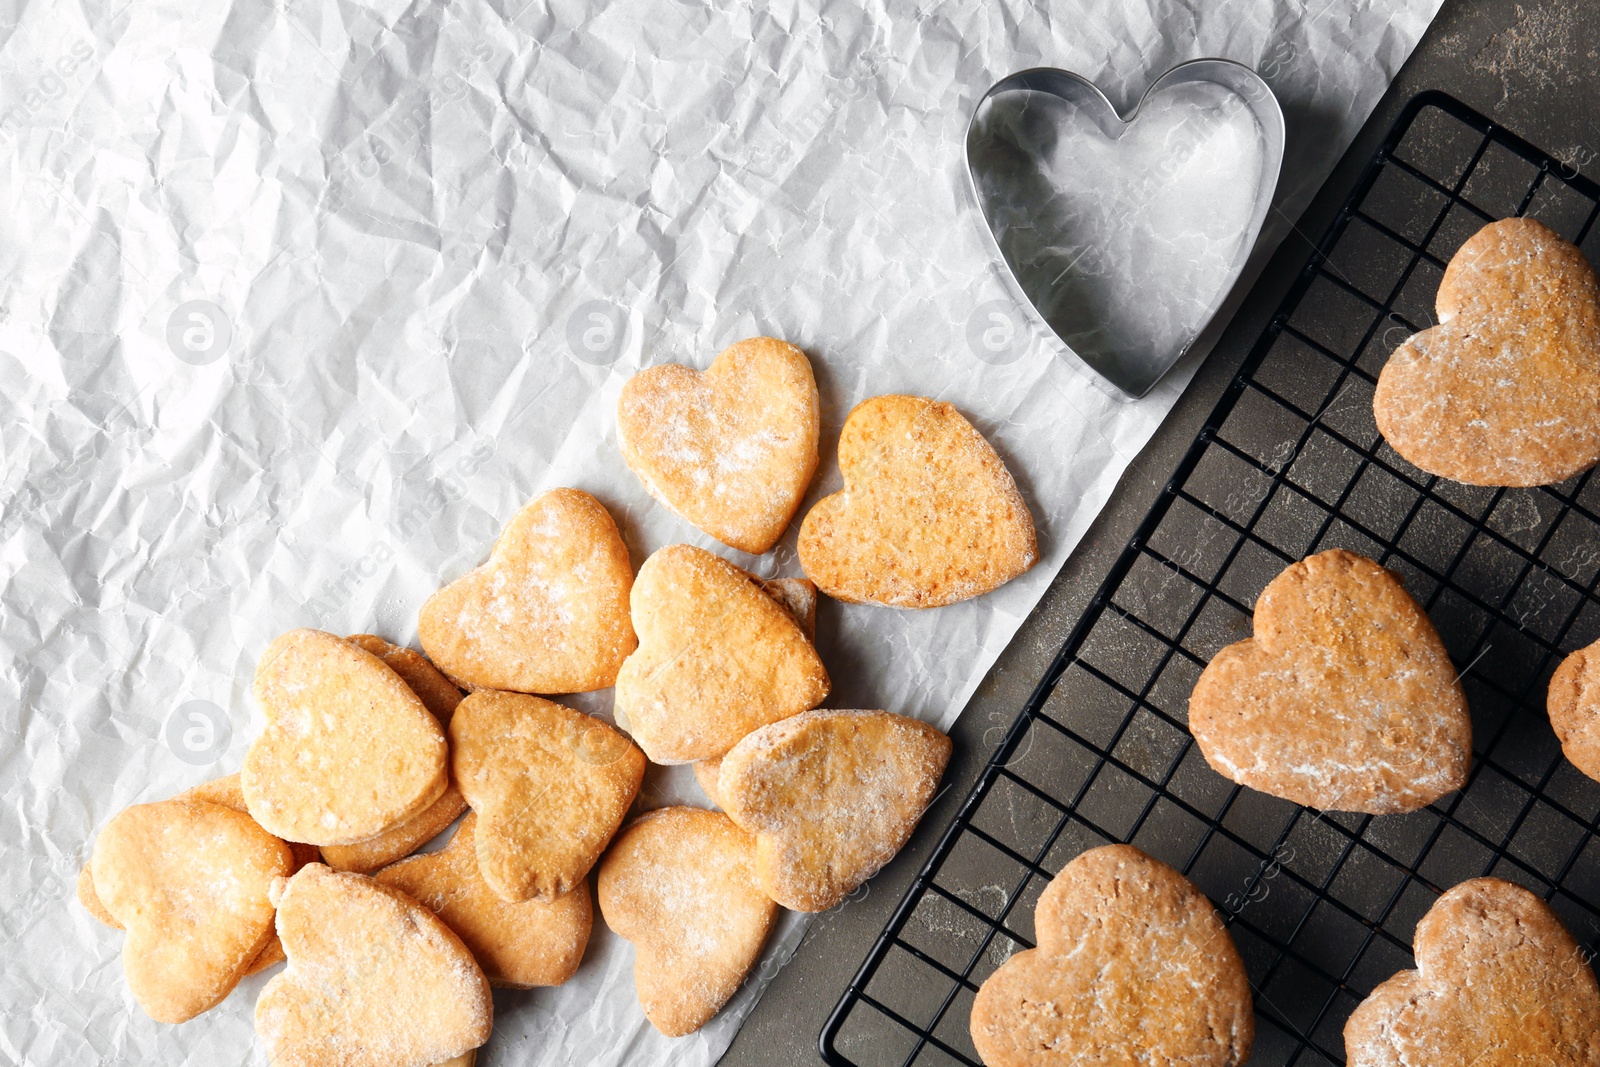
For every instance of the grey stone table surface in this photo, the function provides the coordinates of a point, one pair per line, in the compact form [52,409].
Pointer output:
[1534,67]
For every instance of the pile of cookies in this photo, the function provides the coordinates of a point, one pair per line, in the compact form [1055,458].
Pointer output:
[370,750]
[1345,699]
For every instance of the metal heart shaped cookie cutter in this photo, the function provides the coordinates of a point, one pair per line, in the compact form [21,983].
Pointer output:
[1135,373]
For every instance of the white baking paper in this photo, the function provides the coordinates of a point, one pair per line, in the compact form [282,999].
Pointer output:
[299,301]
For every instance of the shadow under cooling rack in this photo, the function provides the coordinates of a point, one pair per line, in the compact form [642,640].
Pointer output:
[1321,905]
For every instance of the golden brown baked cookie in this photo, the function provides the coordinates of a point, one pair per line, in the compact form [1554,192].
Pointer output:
[708,772]
[441,696]
[227,792]
[1499,983]
[680,884]
[374,979]
[550,786]
[1133,966]
[364,857]
[830,796]
[928,516]
[731,449]
[1573,702]
[717,658]
[526,944]
[799,597]
[432,687]
[548,612]
[1345,699]
[270,955]
[89,897]
[1506,389]
[348,752]
[188,882]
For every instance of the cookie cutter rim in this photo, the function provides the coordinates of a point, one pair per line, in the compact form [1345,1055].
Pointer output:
[1077,89]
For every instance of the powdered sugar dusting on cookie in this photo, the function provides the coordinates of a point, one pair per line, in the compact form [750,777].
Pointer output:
[548,612]
[717,658]
[1345,699]
[1499,983]
[680,885]
[550,785]
[831,796]
[732,449]
[1132,966]
[928,516]
[349,750]
[1506,389]
[374,979]
[189,881]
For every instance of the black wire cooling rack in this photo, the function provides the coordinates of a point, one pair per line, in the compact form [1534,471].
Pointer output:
[1321,905]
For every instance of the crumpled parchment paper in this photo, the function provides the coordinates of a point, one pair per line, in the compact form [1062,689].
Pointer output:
[300,300]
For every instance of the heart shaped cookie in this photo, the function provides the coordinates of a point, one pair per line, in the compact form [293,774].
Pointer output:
[1499,983]
[1345,699]
[374,979]
[227,792]
[799,598]
[718,657]
[731,449]
[1506,389]
[550,786]
[440,696]
[188,881]
[1133,966]
[1573,702]
[928,516]
[527,944]
[680,884]
[830,796]
[548,612]
[349,750]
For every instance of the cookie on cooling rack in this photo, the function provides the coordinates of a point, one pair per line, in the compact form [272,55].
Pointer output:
[1345,699]
[1132,966]
[1573,702]
[1506,389]
[1499,982]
